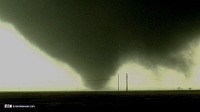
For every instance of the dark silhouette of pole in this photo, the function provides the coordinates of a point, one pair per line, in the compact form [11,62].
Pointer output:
[118,82]
[126,82]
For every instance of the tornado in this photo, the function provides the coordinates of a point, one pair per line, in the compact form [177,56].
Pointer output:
[96,37]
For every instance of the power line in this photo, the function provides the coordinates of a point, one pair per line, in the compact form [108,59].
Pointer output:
[95,79]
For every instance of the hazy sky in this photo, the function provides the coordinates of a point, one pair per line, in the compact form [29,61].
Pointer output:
[25,67]
[98,37]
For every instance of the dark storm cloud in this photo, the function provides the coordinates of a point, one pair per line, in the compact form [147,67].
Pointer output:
[96,36]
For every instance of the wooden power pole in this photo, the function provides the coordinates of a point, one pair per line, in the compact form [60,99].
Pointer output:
[118,82]
[126,82]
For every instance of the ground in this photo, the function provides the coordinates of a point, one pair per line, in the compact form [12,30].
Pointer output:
[101,100]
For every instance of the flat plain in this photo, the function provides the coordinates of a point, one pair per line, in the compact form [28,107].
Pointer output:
[100,100]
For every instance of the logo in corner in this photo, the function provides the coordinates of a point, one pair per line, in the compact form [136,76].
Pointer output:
[8,106]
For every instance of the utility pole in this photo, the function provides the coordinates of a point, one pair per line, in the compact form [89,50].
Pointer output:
[118,82]
[126,82]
